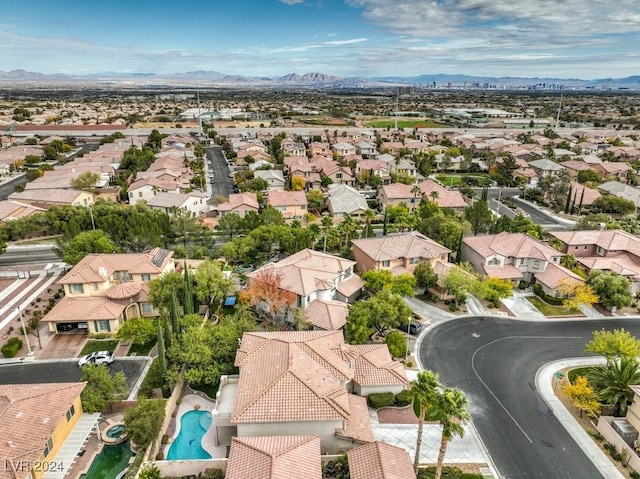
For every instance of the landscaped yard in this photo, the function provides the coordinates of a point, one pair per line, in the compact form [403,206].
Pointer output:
[550,310]
[94,345]
[456,179]
[141,349]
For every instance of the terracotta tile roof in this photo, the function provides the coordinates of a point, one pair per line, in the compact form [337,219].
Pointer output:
[402,245]
[446,198]
[302,382]
[73,310]
[516,245]
[153,182]
[274,457]
[10,209]
[397,191]
[590,194]
[358,424]
[327,315]
[308,271]
[554,275]
[29,413]
[287,198]
[88,270]
[609,240]
[380,461]
[351,286]
[624,264]
[507,271]
[374,366]
[48,196]
[236,200]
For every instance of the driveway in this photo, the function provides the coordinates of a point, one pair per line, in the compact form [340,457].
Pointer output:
[522,308]
[63,346]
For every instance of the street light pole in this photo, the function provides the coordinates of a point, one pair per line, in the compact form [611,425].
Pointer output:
[24,330]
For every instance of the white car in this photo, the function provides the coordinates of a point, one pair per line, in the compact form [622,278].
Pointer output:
[98,357]
[232,175]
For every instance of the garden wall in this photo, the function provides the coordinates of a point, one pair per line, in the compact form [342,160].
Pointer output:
[611,436]
[189,468]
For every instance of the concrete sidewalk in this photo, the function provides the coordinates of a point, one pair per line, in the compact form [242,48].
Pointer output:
[544,385]
[430,313]
[522,308]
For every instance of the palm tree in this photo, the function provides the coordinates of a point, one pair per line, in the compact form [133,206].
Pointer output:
[327,223]
[314,232]
[612,383]
[369,214]
[422,393]
[434,196]
[450,409]
[416,191]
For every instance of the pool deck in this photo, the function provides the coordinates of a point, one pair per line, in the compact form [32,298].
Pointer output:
[209,439]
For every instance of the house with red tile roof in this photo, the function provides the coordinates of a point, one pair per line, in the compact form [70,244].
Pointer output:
[103,290]
[327,315]
[379,460]
[442,196]
[12,209]
[306,383]
[239,204]
[145,189]
[395,194]
[400,253]
[606,250]
[274,457]
[379,168]
[37,420]
[53,197]
[313,275]
[513,256]
[292,204]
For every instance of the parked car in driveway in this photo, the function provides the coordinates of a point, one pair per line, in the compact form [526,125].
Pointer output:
[97,357]
[413,327]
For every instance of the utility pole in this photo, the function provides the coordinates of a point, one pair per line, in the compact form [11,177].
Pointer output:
[24,330]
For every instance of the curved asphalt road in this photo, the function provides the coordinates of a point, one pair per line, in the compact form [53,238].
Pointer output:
[494,361]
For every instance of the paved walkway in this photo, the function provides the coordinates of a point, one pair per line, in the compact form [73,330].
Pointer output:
[474,306]
[544,385]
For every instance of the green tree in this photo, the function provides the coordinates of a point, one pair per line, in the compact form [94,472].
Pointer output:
[86,181]
[459,282]
[387,311]
[187,293]
[589,176]
[87,242]
[613,289]
[613,383]
[144,421]
[613,344]
[613,204]
[138,330]
[479,215]
[449,408]
[397,344]
[210,286]
[425,276]
[422,395]
[357,330]
[494,289]
[230,225]
[102,389]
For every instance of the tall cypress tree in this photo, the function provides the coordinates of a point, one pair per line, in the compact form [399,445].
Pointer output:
[162,357]
[568,202]
[175,314]
[188,295]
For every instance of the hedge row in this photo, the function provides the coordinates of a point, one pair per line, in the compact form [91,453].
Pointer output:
[378,400]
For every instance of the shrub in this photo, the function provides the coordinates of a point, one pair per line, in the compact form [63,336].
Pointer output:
[56,296]
[378,400]
[397,344]
[537,289]
[453,307]
[213,474]
[11,347]
[152,380]
[403,398]
[523,284]
[634,475]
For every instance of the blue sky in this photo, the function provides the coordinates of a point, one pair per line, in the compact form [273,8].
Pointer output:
[531,38]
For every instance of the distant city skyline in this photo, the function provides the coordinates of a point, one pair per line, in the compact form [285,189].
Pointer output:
[347,38]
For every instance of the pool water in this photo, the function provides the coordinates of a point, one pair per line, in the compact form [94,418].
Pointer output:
[115,432]
[188,444]
[110,462]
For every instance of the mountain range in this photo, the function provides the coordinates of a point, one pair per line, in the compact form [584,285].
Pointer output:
[212,78]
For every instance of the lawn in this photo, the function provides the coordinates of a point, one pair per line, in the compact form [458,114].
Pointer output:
[404,123]
[94,345]
[550,310]
[456,180]
[141,349]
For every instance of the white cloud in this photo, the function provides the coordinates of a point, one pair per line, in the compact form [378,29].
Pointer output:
[291,2]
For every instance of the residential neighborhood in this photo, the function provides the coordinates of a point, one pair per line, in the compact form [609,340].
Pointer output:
[221,300]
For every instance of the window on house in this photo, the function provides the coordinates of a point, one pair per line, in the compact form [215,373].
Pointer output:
[76,288]
[414,260]
[600,250]
[585,246]
[493,262]
[102,325]
[339,176]
[146,277]
[385,264]
[575,247]
[122,276]
[70,413]
[536,263]
[48,447]
[139,194]
[522,261]
[147,308]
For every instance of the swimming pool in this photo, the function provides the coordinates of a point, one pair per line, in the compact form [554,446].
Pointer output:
[112,461]
[188,444]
